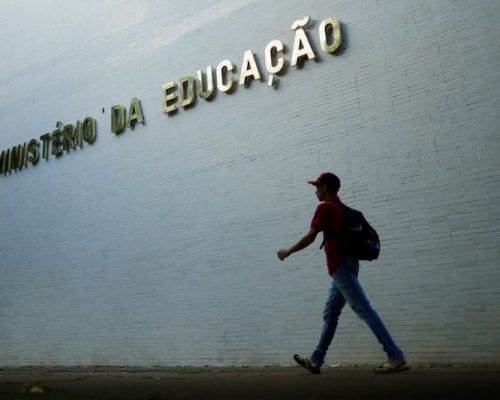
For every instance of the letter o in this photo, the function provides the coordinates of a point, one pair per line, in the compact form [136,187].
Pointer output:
[89,130]
[334,31]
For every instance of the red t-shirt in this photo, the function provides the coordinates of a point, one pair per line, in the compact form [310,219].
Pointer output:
[328,218]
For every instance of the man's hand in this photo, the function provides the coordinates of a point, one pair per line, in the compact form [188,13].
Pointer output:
[301,244]
[283,253]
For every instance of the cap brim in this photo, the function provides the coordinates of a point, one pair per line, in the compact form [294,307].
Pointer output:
[314,183]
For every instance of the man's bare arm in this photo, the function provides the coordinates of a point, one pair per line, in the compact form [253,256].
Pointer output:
[301,244]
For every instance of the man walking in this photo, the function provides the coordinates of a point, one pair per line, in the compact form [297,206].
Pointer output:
[345,286]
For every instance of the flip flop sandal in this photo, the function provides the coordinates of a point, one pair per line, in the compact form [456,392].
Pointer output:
[306,363]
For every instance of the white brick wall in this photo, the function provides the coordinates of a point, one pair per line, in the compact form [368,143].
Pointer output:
[157,247]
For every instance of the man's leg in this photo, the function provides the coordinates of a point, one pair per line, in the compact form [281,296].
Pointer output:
[346,280]
[331,313]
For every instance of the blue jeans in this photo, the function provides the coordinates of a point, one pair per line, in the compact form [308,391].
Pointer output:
[346,287]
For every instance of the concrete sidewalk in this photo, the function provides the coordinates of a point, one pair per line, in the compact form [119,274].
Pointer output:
[249,383]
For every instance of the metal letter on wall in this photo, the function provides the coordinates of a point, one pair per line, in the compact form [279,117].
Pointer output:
[79,134]
[135,113]
[208,93]
[273,49]
[225,78]
[45,145]
[329,35]
[34,149]
[117,118]
[3,161]
[249,68]
[301,46]
[186,91]
[169,97]
[16,158]
[69,137]
[57,139]
[89,130]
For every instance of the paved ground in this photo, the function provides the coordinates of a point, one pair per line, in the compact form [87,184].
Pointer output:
[249,383]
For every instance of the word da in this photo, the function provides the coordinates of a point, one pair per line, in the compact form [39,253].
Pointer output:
[119,115]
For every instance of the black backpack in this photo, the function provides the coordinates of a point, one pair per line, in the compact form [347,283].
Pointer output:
[358,239]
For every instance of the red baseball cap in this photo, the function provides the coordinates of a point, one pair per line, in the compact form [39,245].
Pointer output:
[328,178]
